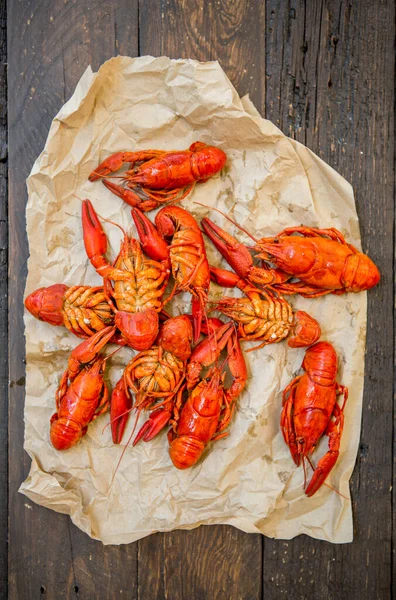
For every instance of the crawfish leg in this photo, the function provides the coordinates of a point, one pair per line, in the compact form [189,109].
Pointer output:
[167,197]
[286,422]
[237,366]
[334,431]
[331,233]
[62,388]
[229,408]
[74,321]
[129,196]
[104,405]
[176,415]
[238,369]
[305,290]
[342,390]
[195,268]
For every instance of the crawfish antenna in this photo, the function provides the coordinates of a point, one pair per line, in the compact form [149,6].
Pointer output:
[116,418]
[112,223]
[103,218]
[123,451]
[305,472]
[112,353]
[228,219]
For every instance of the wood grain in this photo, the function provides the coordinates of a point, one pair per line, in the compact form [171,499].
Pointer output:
[323,71]
[50,44]
[333,90]
[230,31]
[3,304]
[216,562]
[233,33]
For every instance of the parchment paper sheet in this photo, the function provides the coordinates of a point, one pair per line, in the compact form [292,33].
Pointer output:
[248,479]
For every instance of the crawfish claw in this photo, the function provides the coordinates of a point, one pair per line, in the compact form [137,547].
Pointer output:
[120,405]
[87,351]
[235,253]
[153,244]
[95,240]
[321,472]
[154,424]
[109,165]
[128,196]
[224,278]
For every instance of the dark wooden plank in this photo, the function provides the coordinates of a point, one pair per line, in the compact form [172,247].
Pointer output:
[30,101]
[230,31]
[330,85]
[3,303]
[336,117]
[210,562]
[102,30]
[218,562]
[51,44]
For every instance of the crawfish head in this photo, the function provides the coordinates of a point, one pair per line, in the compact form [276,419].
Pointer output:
[46,303]
[307,439]
[293,254]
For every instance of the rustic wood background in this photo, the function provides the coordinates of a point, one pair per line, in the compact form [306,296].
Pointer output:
[323,71]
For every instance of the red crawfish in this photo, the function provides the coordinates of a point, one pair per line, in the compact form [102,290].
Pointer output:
[320,259]
[310,409]
[209,407]
[186,251]
[156,177]
[156,378]
[82,394]
[139,282]
[262,316]
[82,309]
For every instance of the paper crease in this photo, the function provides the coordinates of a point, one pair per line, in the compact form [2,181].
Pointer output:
[247,480]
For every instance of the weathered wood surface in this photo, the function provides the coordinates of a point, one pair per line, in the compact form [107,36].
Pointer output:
[3,300]
[334,92]
[324,73]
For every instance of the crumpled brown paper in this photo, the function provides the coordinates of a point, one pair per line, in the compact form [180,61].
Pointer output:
[270,182]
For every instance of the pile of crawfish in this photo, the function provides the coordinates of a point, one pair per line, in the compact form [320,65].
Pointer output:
[177,375]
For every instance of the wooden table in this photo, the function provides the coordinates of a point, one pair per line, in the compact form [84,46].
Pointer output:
[323,71]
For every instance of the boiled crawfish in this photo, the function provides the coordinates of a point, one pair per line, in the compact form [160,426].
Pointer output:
[239,258]
[156,378]
[190,267]
[139,283]
[321,259]
[209,407]
[310,409]
[82,309]
[262,316]
[82,394]
[157,176]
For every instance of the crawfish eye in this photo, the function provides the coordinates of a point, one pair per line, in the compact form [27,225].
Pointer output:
[207,380]
[300,440]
